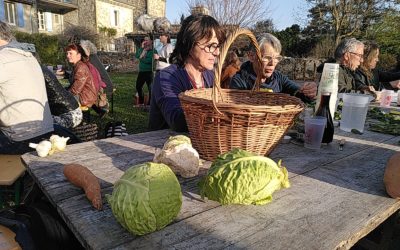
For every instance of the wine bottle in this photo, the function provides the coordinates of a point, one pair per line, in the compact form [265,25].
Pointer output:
[323,110]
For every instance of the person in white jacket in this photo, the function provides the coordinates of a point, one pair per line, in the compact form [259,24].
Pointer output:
[162,57]
[24,108]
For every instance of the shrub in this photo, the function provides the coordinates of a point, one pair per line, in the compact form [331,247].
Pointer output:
[387,61]
[47,46]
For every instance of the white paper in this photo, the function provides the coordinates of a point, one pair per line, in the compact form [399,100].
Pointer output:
[329,83]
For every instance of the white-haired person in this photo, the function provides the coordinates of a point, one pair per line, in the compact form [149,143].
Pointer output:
[271,79]
[349,54]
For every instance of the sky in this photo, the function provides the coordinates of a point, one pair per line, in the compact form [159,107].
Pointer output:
[284,12]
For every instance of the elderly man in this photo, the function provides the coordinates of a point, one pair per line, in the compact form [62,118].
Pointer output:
[24,109]
[349,54]
[271,79]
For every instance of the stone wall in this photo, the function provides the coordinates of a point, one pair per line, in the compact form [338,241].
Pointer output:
[302,69]
[156,8]
[104,14]
[84,16]
[299,69]
[121,62]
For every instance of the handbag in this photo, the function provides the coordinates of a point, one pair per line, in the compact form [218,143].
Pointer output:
[86,131]
[113,129]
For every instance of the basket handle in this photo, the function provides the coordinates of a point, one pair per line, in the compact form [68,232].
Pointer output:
[221,58]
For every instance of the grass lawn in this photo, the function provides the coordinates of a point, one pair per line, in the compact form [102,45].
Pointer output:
[136,120]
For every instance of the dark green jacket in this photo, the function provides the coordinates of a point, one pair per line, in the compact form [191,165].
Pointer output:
[146,63]
[347,81]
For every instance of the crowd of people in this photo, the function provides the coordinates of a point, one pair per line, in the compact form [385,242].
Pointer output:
[196,52]
[35,104]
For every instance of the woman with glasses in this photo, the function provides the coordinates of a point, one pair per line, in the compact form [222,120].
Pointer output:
[271,79]
[372,78]
[193,60]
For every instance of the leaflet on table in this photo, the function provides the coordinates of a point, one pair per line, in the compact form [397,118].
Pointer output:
[329,83]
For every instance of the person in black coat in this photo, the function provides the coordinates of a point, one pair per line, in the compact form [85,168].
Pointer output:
[63,105]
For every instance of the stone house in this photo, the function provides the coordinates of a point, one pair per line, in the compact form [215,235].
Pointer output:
[53,16]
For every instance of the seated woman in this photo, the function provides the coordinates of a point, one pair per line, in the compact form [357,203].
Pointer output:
[271,79]
[371,77]
[82,86]
[193,59]
[229,69]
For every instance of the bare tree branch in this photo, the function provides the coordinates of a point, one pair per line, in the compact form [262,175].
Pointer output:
[243,13]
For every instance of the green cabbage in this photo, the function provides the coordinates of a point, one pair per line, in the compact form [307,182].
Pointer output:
[146,198]
[240,177]
[176,140]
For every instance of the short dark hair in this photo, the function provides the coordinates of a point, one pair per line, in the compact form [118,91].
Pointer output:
[79,49]
[193,29]
[168,35]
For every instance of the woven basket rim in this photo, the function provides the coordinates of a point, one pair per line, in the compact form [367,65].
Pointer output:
[293,104]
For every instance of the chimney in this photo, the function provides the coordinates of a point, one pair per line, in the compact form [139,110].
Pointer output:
[200,9]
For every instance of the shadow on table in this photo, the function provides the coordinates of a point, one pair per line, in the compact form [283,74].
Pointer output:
[360,166]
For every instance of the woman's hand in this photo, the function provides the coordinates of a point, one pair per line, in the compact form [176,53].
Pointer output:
[309,89]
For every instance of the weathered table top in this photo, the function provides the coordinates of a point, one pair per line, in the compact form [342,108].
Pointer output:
[336,197]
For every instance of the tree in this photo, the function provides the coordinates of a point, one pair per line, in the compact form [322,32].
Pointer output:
[182,18]
[266,26]
[243,13]
[344,18]
[387,33]
[294,43]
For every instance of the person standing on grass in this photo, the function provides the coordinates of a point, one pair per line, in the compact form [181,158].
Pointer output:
[193,61]
[145,56]
[162,57]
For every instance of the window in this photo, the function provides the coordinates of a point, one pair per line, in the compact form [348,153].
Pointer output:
[115,18]
[56,19]
[9,9]
[42,20]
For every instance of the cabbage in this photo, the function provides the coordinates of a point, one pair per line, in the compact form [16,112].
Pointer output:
[179,155]
[240,177]
[146,198]
[176,140]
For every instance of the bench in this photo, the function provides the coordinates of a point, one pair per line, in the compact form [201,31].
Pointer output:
[11,169]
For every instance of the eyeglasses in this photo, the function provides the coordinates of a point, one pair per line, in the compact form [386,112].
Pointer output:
[268,59]
[359,55]
[210,48]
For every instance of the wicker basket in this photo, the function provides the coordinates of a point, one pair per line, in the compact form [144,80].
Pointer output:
[222,119]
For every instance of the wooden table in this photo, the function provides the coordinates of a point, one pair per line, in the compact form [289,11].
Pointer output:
[336,197]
